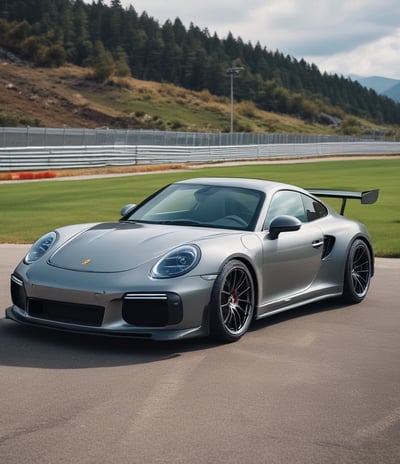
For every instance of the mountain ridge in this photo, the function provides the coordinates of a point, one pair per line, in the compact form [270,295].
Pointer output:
[385,86]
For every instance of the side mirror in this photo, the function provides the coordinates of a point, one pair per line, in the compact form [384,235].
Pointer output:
[127,209]
[283,224]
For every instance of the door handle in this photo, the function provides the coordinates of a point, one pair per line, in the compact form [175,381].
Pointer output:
[317,243]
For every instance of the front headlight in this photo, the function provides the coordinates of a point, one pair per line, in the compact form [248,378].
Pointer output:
[40,247]
[177,262]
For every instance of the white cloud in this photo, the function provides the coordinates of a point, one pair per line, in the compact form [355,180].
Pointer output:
[380,58]
[357,36]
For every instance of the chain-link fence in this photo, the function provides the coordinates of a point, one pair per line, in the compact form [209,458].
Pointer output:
[67,137]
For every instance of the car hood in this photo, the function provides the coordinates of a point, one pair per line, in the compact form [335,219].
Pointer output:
[117,247]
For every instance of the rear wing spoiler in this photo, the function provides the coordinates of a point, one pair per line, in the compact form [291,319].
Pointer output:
[367,198]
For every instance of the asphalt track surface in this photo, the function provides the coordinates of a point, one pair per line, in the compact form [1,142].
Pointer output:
[318,385]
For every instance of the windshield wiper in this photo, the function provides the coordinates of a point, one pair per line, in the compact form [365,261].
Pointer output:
[182,222]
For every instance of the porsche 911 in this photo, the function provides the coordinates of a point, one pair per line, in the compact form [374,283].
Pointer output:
[200,257]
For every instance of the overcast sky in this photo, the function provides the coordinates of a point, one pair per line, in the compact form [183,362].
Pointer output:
[342,36]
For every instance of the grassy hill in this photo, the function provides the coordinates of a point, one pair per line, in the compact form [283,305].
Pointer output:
[67,96]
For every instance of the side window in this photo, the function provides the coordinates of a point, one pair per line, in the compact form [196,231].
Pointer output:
[314,209]
[288,203]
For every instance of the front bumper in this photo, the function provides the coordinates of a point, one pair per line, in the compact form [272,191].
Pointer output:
[166,310]
[14,313]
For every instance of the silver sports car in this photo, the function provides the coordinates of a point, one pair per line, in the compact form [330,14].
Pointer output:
[199,257]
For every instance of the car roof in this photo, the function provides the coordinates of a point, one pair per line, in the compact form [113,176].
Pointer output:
[266,186]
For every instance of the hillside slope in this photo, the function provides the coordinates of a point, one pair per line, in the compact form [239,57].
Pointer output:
[46,97]
[67,97]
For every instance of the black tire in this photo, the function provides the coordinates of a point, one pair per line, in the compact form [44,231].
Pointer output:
[358,272]
[232,302]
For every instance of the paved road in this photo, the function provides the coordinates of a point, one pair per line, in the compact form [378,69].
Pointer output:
[317,385]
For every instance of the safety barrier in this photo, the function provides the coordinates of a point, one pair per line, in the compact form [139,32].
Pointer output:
[73,157]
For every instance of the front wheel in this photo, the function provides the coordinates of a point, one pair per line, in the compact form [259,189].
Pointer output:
[232,302]
[358,272]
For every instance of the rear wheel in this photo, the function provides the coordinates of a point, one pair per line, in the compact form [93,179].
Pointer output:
[358,272]
[232,302]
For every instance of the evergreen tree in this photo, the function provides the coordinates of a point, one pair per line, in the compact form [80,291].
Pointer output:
[102,63]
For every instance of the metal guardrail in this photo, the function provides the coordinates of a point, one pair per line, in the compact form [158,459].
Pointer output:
[69,157]
[40,148]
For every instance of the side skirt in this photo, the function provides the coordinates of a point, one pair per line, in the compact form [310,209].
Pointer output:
[285,305]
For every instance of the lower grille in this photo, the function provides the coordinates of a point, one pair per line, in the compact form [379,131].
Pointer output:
[66,312]
[152,310]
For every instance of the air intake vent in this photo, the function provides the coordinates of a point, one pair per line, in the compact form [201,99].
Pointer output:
[152,309]
[329,241]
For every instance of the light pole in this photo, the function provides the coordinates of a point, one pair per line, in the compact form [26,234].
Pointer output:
[233,72]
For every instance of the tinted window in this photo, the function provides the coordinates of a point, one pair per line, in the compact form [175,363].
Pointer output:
[314,209]
[290,203]
[285,202]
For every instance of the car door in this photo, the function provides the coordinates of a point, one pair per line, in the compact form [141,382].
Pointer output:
[292,260]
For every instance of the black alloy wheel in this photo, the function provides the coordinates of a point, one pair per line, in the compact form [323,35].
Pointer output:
[232,304]
[358,272]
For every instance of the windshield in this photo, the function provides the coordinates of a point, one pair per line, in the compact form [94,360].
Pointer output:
[202,206]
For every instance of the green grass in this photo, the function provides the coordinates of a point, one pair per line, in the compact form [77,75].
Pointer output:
[30,209]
